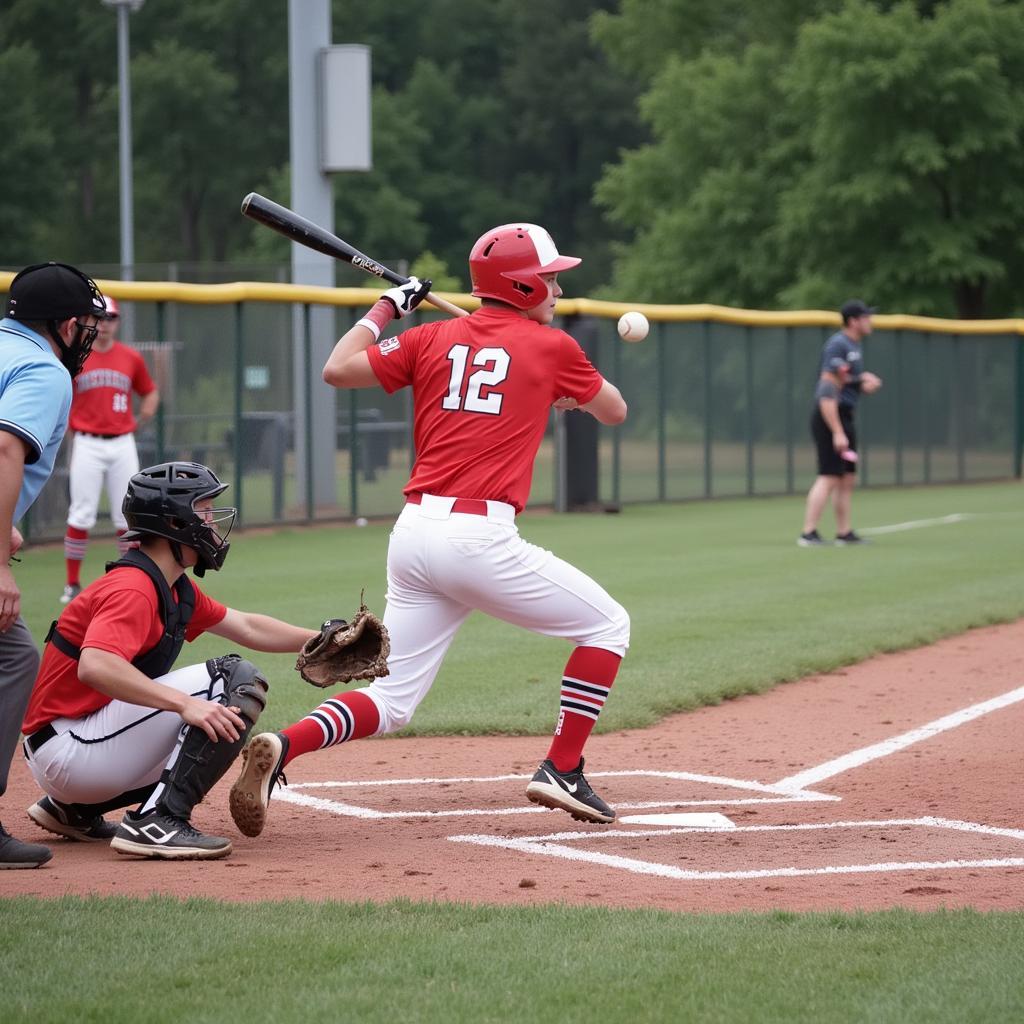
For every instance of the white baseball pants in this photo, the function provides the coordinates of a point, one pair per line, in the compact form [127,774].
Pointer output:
[121,747]
[442,565]
[95,462]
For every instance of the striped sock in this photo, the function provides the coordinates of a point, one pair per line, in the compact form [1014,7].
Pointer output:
[75,542]
[343,717]
[589,674]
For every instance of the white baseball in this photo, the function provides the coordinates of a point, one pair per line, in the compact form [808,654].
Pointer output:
[361,521]
[633,326]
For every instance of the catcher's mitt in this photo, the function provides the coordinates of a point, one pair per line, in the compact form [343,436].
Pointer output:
[345,651]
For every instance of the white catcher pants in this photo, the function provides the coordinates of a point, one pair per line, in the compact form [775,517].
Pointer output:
[119,748]
[442,565]
[95,462]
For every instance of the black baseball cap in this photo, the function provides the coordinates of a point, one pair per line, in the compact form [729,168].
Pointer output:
[53,291]
[856,307]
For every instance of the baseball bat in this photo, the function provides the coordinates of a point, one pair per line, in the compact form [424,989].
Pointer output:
[288,223]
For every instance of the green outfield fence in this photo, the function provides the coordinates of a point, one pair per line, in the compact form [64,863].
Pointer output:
[719,403]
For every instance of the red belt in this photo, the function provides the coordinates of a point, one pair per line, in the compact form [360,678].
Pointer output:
[469,506]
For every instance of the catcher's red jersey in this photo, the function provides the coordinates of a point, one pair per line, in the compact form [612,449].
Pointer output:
[483,387]
[120,613]
[102,402]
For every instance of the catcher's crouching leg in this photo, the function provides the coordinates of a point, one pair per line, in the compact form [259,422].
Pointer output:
[201,763]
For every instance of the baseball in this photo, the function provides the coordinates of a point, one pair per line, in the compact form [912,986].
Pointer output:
[362,521]
[633,326]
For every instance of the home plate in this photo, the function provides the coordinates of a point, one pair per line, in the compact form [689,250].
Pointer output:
[681,820]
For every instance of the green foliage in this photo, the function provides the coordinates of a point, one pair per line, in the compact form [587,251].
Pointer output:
[874,149]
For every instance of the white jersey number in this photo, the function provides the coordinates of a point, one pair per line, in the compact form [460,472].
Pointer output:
[120,401]
[494,364]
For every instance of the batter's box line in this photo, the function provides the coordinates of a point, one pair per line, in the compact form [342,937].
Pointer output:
[774,794]
[545,846]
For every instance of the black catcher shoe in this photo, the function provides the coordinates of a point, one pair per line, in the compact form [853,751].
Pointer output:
[63,820]
[261,771]
[568,791]
[157,834]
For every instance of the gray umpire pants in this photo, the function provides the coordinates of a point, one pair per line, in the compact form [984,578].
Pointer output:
[19,663]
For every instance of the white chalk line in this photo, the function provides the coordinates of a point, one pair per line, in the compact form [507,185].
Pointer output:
[288,795]
[544,846]
[918,524]
[857,758]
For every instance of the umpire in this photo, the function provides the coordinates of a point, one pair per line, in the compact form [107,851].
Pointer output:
[51,316]
[841,382]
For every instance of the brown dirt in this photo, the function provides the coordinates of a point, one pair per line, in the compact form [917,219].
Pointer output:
[970,773]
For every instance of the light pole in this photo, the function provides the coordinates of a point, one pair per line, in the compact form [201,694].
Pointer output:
[124,8]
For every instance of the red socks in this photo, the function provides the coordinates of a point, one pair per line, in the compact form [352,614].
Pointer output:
[343,717]
[75,541]
[589,674]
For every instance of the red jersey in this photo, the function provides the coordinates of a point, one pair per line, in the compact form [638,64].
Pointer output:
[483,386]
[120,613]
[102,402]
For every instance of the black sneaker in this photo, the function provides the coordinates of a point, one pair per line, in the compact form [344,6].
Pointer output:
[66,821]
[850,538]
[156,834]
[261,772]
[16,854]
[71,591]
[568,791]
[813,539]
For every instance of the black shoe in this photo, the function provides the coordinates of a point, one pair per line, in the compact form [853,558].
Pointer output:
[812,539]
[66,821]
[16,854]
[568,791]
[850,538]
[261,771]
[158,834]
[71,591]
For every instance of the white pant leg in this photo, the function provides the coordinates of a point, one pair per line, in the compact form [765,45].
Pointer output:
[119,748]
[441,566]
[123,464]
[86,473]
[421,623]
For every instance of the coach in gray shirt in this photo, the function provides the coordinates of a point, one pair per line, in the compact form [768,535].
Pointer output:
[841,381]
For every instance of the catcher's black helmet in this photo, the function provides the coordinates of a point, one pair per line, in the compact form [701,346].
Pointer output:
[161,501]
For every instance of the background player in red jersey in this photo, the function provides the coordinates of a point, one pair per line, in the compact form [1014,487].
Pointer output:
[483,387]
[103,452]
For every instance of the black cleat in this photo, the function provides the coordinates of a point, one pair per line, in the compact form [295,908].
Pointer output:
[156,834]
[261,771]
[568,791]
[16,854]
[63,820]
[811,539]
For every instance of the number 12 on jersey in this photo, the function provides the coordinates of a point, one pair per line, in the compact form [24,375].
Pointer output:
[465,394]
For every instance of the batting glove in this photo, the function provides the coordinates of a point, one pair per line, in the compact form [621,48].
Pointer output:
[406,297]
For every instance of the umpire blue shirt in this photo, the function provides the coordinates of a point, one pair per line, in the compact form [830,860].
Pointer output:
[840,349]
[35,399]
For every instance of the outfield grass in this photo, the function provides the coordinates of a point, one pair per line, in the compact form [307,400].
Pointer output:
[163,961]
[722,600]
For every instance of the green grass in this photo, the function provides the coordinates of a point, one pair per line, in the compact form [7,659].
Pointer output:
[722,601]
[198,961]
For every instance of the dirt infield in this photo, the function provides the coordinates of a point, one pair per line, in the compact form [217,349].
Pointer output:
[893,783]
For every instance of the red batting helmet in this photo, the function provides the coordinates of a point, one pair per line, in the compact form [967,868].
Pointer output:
[507,261]
[113,311]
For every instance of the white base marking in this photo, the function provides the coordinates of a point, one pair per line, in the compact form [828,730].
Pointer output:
[859,757]
[715,821]
[544,846]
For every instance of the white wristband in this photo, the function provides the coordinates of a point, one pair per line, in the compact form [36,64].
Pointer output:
[370,325]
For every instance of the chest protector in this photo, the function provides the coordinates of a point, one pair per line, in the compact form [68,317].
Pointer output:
[158,660]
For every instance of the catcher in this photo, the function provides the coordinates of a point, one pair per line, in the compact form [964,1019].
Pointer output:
[109,723]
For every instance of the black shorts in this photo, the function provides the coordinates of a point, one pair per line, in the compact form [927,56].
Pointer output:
[830,463]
